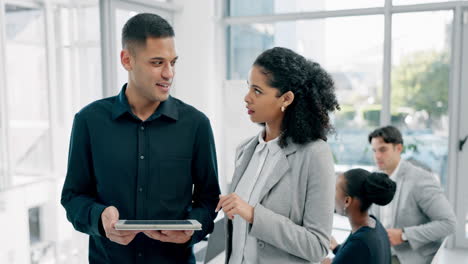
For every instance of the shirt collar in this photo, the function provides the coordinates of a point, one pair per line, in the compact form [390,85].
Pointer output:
[167,108]
[395,172]
[272,145]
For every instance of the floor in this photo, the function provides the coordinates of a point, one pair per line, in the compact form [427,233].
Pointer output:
[447,256]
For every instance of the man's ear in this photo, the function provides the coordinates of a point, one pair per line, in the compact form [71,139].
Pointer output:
[288,98]
[399,147]
[125,59]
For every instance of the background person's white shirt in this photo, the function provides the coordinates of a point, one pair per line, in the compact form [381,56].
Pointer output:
[386,212]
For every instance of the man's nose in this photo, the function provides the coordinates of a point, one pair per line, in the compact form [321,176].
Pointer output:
[377,155]
[168,72]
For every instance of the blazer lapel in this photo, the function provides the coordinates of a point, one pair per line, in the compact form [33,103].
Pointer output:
[281,168]
[243,161]
[400,180]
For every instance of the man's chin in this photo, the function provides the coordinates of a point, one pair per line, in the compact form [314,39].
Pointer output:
[162,98]
[383,169]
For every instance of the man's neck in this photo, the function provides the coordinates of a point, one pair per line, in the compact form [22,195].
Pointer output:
[389,172]
[140,106]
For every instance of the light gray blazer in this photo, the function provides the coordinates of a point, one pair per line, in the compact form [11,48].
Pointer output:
[424,212]
[293,221]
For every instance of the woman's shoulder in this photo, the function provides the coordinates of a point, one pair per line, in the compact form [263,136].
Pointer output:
[245,142]
[318,144]
[314,148]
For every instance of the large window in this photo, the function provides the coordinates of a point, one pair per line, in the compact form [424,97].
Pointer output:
[392,64]
[351,48]
[420,86]
[268,7]
[79,54]
[28,95]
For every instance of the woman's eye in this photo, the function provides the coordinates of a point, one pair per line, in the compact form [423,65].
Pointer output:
[257,91]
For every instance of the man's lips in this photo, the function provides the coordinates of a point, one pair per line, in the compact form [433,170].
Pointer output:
[164,86]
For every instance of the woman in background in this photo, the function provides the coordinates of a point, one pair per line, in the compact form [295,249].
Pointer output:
[356,191]
[280,209]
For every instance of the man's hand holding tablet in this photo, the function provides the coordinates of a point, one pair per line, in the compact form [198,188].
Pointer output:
[124,231]
[172,236]
[109,218]
[173,231]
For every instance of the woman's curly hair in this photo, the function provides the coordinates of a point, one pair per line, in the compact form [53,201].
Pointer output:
[306,119]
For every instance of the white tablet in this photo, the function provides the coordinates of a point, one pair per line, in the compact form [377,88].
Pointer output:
[158,225]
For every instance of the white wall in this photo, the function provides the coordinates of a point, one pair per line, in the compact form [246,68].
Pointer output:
[201,68]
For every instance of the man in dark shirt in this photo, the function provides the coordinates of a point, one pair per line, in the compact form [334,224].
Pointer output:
[142,155]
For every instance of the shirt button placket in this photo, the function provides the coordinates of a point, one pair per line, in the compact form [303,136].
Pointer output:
[141,172]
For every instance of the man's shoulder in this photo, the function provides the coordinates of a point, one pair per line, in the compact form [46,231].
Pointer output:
[99,106]
[188,111]
[414,171]
[419,177]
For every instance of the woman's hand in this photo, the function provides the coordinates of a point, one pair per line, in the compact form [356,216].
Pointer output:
[232,204]
[327,261]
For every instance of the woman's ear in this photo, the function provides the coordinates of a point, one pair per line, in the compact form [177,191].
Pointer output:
[348,200]
[288,98]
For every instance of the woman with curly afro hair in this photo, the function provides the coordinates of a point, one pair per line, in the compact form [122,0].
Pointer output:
[280,209]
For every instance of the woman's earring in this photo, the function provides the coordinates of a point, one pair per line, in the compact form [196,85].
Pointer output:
[344,210]
[283,109]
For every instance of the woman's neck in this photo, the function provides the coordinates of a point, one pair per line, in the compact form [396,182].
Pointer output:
[272,130]
[358,220]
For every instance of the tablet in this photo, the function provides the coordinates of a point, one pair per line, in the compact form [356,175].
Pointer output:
[158,225]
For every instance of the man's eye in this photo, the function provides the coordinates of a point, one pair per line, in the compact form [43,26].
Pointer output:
[156,63]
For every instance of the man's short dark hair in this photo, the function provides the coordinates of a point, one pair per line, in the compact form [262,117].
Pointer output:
[389,134]
[143,26]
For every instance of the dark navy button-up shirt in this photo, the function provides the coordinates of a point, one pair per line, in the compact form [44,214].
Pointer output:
[161,168]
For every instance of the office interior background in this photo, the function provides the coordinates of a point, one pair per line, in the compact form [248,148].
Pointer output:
[399,62]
